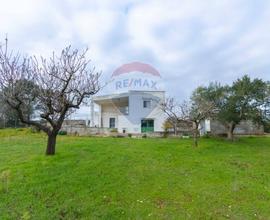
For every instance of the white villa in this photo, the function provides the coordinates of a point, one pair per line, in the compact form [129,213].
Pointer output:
[130,112]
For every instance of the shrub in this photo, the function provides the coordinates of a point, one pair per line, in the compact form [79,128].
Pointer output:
[62,132]
[34,130]
[207,135]
[120,136]
[114,130]
[129,135]
[144,136]
[165,134]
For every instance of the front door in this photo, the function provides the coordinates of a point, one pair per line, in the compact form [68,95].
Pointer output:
[112,123]
[147,125]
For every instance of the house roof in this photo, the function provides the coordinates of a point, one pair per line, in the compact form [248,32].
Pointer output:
[121,96]
[106,98]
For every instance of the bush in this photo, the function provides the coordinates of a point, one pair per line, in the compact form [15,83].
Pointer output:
[62,132]
[114,130]
[185,135]
[207,135]
[222,135]
[266,126]
[144,136]
[165,134]
[120,136]
[34,130]
[20,129]
[129,135]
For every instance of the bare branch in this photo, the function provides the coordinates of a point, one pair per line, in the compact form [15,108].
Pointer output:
[60,84]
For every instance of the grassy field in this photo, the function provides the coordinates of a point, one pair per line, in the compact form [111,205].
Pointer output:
[122,178]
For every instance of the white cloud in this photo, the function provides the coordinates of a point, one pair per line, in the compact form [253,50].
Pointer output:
[16,15]
[190,41]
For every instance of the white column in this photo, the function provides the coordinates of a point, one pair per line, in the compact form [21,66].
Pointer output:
[92,124]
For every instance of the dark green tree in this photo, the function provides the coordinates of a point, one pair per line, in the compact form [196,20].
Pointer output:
[246,99]
[9,116]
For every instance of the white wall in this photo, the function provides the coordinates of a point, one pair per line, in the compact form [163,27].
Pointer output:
[138,112]
[132,122]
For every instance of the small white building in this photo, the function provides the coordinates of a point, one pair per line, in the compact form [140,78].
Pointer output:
[130,112]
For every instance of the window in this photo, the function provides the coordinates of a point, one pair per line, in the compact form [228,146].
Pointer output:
[124,110]
[147,104]
[112,122]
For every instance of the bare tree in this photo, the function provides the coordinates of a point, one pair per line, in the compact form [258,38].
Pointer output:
[171,108]
[196,112]
[193,112]
[62,84]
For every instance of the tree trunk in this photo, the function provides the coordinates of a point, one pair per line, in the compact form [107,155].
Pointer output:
[175,129]
[51,143]
[195,134]
[231,127]
[195,139]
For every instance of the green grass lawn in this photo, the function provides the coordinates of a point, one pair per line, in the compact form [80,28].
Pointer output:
[126,178]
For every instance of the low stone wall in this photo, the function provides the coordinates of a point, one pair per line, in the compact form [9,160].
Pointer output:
[244,128]
[78,127]
[85,131]
[93,131]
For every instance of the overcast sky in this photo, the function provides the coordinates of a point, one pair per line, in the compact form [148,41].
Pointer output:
[190,42]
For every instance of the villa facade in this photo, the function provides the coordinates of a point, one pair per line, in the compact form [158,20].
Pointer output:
[130,112]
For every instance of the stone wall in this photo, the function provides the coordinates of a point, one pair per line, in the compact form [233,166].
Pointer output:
[244,128]
[78,127]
